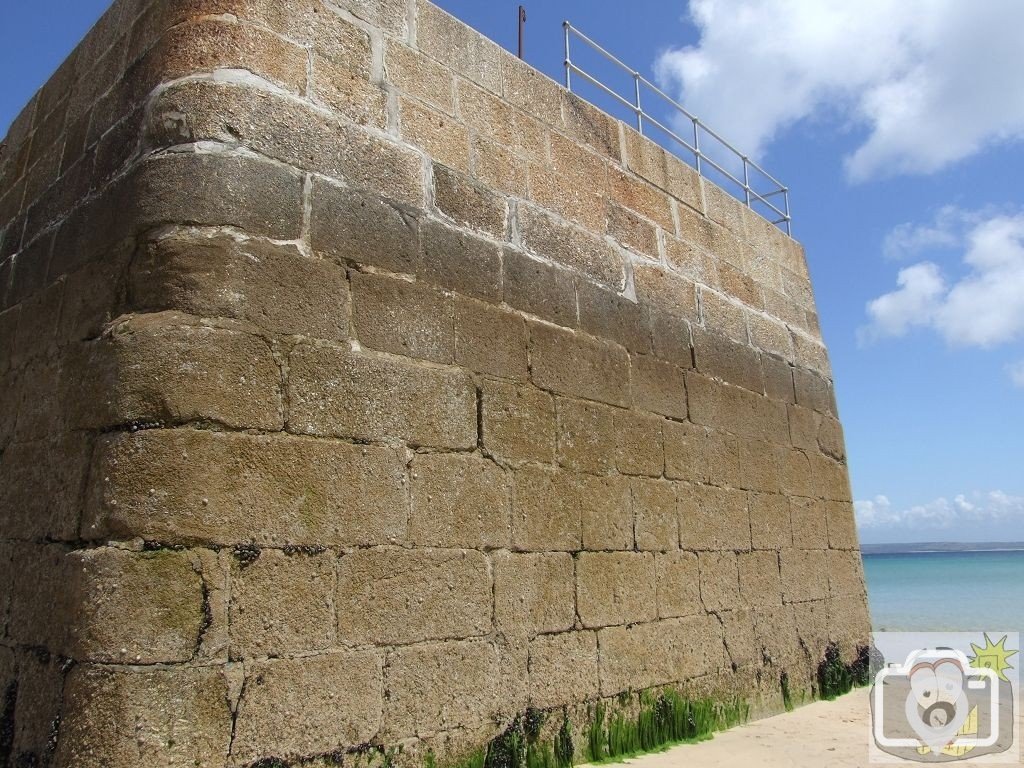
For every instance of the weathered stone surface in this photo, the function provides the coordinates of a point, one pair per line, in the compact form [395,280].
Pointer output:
[440,686]
[845,574]
[637,195]
[778,379]
[678,583]
[490,340]
[539,289]
[498,167]
[403,318]
[459,501]
[586,435]
[350,225]
[658,386]
[531,90]
[632,231]
[714,518]
[497,120]
[37,707]
[686,258]
[830,479]
[645,158]
[740,639]
[534,593]
[348,92]
[170,368]
[770,521]
[686,451]
[656,519]
[161,717]
[40,610]
[574,364]
[217,189]
[660,652]
[664,291]
[469,204]
[563,669]
[545,511]
[437,133]
[458,46]
[842,525]
[282,603]
[292,132]
[736,410]
[42,490]
[572,247]
[207,45]
[397,596]
[849,626]
[609,315]
[759,577]
[419,76]
[639,446]
[570,184]
[134,608]
[588,124]
[804,575]
[6,584]
[517,422]
[338,694]
[335,392]
[724,315]
[814,391]
[182,486]
[615,588]
[810,529]
[271,286]
[461,262]
[734,363]
[719,581]
[606,512]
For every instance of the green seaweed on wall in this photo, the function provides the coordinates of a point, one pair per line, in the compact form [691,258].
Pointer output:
[663,720]
[787,695]
[836,678]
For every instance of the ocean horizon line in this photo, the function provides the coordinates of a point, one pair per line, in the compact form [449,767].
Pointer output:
[940,547]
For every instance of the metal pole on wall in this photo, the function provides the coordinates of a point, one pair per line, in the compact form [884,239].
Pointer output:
[522,28]
[568,61]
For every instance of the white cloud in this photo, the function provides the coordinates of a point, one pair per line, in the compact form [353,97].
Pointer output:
[984,307]
[934,81]
[1017,373]
[921,288]
[962,512]
[946,231]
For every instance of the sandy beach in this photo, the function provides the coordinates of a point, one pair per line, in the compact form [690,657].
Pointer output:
[825,734]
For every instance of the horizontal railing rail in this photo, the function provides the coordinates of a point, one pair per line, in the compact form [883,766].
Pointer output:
[694,146]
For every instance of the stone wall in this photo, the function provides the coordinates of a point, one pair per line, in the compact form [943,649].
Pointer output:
[359,385]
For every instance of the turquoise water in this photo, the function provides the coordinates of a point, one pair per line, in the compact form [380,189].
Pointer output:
[934,591]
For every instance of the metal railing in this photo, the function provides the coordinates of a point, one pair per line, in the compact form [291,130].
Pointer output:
[701,157]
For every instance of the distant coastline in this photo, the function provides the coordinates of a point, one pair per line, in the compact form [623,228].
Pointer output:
[942,546]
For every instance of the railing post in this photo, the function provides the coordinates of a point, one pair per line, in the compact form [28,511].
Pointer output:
[789,220]
[568,60]
[696,144]
[746,179]
[639,111]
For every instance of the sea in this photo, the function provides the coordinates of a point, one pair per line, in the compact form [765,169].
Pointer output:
[929,591]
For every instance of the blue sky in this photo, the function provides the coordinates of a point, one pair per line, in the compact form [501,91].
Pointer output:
[897,126]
